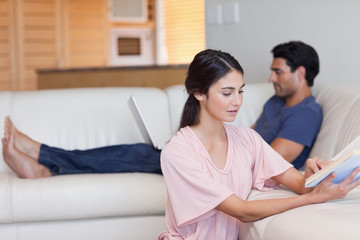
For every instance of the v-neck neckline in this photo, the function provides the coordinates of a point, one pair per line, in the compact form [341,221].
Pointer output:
[229,146]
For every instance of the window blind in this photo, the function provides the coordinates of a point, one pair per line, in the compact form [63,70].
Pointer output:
[185,29]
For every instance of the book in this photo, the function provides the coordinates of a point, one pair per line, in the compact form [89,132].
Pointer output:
[342,166]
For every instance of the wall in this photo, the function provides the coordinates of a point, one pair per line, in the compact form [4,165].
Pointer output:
[41,34]
[330,26]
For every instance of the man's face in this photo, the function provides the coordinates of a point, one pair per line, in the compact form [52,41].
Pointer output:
[285,82]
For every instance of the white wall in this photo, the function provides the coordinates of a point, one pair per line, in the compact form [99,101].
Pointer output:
[332,27]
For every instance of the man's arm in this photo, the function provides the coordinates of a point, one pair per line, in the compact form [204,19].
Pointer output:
[288,149]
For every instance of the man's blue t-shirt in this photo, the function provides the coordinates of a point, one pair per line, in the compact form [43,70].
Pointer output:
[300,123]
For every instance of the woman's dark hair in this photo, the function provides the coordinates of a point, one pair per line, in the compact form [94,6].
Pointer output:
[207,67]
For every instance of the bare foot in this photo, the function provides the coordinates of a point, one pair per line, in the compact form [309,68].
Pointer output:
[22,142]
[23,165]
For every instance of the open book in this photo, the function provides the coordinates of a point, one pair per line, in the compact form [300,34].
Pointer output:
[342,167]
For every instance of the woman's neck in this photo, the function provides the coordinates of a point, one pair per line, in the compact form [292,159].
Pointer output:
[214,139]
[209,132]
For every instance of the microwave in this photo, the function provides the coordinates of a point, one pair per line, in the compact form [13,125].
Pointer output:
[131,47]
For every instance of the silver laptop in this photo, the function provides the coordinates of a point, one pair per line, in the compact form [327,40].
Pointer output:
[143,126]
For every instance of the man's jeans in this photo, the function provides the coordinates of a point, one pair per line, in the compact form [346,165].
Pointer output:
[111,159]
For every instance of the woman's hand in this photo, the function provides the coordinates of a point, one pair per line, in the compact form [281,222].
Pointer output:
[313,165]
[327,190]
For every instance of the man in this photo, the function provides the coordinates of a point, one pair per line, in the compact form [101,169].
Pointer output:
[291,119]
[289,123]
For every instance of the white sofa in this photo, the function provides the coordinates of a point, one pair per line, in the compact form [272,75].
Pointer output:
[132,205]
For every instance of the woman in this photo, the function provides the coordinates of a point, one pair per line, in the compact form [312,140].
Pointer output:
[210,167]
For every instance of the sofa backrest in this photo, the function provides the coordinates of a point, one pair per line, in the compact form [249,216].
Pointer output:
[94,117]
[84,118]
[341,117]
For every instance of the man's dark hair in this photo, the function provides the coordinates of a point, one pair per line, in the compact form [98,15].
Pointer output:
[298,54]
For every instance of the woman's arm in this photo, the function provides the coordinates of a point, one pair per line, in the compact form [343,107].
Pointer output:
[295,180]
[248,211]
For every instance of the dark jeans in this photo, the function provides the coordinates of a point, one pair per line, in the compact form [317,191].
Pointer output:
[138,157]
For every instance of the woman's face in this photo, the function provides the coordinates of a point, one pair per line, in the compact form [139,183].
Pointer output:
[224,98]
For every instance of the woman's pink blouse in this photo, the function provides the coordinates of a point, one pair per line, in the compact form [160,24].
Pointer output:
[196,187]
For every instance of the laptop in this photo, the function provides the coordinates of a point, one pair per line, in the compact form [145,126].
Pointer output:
[143,126]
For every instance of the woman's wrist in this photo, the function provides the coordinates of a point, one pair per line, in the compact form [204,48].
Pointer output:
[310,198]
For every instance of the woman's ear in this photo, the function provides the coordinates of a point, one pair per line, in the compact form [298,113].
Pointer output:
[199,96]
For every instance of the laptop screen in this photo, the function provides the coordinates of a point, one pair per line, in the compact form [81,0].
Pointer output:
[142,124]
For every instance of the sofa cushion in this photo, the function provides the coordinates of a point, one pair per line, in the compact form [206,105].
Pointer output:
[81,196]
